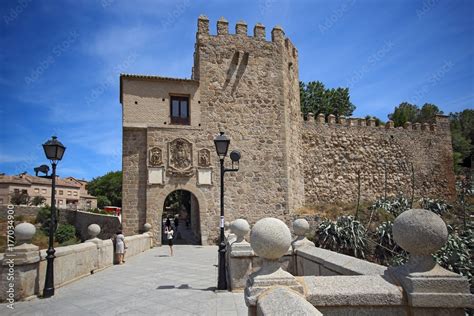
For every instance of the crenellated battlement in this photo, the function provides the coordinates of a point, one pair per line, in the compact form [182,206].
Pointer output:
[241,30]
[331,120]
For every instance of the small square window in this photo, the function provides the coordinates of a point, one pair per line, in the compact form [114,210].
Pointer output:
[61,192]
[43,190]
[75,193]
[68,192]
[179,110]
[37,190]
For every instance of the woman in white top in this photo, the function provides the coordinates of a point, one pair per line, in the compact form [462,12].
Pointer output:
[169,236]
[120,247]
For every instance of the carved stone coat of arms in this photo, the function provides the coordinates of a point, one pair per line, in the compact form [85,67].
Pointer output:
[155,157]
[204,157]
[180,157]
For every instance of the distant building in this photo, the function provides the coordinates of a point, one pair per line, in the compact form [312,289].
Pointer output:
[70,192]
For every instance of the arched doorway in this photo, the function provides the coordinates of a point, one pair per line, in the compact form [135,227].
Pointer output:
[181,210]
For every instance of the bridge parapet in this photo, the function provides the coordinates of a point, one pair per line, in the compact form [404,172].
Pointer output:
[27,263]
[336,284]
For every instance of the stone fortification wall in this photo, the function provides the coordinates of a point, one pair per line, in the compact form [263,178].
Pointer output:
[334,152]
[248,87]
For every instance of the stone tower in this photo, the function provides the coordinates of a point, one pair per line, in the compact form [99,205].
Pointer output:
[246,86]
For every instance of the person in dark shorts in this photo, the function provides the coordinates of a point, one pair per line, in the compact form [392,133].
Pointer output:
[169,236]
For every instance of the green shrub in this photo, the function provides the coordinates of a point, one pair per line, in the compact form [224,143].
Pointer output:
[43,215]
[393,205]
[455,255]
[387,251]
[436,206]
[65,232]
[345,235]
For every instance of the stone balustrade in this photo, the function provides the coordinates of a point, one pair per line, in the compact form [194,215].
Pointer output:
[336,284]
[241,259]
[27,263]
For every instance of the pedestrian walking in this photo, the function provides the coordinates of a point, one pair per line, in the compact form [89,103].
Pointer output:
[169,236]
[120,247]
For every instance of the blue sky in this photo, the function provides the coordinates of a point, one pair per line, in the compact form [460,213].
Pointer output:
[60,62]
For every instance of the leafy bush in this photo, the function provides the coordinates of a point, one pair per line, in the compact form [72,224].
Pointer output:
[394,205]
[102,201]
[345,235]
[43,215]
[65,233]
[455,255]
[436,206]
[387,251]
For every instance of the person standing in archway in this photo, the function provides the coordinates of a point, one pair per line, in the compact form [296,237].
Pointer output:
[169,236]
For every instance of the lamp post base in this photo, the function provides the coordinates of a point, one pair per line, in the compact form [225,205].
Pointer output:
[222,279]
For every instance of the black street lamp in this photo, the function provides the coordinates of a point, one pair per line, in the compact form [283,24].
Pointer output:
[222,145]
[54,151]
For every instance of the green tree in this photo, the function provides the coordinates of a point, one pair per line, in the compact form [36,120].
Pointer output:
[403,113]
[315,98]
[102,201]
[407,112]
[109,186]
[462,133]
[19,198]
[428,113]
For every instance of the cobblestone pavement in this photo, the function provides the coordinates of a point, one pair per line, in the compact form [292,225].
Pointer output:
[151,283]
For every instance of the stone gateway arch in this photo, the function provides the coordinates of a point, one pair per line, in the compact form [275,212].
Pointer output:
[248,86]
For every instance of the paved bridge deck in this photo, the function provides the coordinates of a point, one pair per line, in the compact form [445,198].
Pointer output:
[151,283]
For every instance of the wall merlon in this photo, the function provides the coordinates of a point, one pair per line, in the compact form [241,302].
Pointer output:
[259,31]
[425,126]
[331,119]
[278,35]
[222,26]
[342,120]
[290,48]
[353,121]
[371,122]
[241,28]
[407,125]
[362,122]
[417,127]
[321,119]
[389,124]
[203,25]
[311,116]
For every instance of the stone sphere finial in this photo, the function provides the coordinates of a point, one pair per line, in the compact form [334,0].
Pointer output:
[270,238]
[226,225]
[240,227]
[146,227]
[300,227]
[93,230]
[24,232]
[420,232]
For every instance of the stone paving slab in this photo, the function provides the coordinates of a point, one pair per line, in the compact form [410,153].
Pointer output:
[151,283]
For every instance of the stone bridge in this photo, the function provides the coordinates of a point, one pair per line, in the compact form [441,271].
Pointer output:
[150,283]
[274,274]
